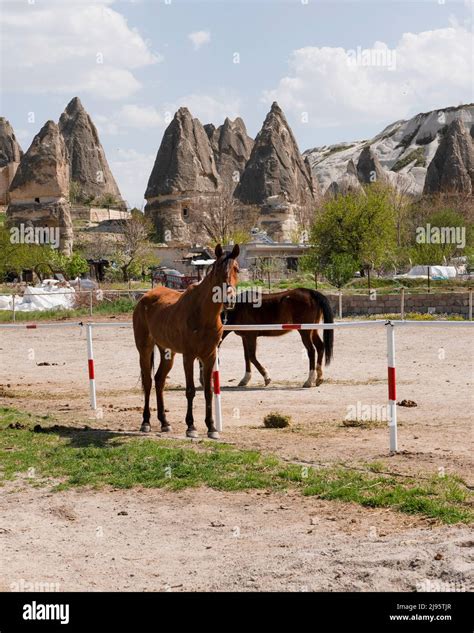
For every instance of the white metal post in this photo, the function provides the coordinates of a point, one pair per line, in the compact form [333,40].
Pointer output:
[13,306]
[90,362]
[392,387]
[216,383]
[402,304]
[340,304]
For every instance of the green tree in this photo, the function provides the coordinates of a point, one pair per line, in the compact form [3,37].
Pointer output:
[360,228]
[340,269]
[436,240]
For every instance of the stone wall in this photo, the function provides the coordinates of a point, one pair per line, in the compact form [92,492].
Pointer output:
[95,215]
[441,302]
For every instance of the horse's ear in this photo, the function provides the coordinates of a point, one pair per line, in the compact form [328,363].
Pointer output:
[219,252]
[235,251]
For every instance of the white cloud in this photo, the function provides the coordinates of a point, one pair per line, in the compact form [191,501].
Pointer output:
[131,170]
[87,48]
[131,115]
[432,70]
[141,116]
[208,108]
[199,38]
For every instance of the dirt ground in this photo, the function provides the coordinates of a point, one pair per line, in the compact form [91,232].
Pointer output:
[202,539]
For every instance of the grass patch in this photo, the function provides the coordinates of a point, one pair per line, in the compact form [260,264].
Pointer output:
[96,459]
[417,155]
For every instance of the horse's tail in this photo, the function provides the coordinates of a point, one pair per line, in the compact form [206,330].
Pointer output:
[328,335]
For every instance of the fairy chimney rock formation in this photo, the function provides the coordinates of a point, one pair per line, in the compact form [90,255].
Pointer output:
[10,157]
[88,166]
[184,179]
[232,147]
[39,192]
[346,184]
[452,167]
[369,169]
[276,177]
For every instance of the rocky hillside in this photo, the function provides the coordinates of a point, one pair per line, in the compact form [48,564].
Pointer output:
[403,150]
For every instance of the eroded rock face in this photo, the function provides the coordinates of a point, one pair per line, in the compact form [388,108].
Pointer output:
[276,167]
[183,180]
[86,157]
[369,169]
[452,167]
[232,147]
[39,192]
[10,156]
[185,160]
[44,170]
[347,184]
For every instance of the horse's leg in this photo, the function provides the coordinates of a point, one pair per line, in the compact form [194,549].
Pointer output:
[188,363]
[252,351]
[248,368]
[146,362]
[166,363]
[308,343]
[320,347]
[207,374]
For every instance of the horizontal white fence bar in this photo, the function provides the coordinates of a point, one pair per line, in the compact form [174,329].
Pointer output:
[124,324]
[302,326]
[433,323]
[37,326]
[341,324]
[263,327]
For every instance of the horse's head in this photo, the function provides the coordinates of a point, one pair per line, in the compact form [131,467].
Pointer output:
[225,272]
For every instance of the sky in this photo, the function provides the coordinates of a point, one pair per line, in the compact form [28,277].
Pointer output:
[341,70]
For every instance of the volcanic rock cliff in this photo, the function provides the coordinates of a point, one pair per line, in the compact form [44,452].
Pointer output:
[232,147]
[10,156]
[452,167]
[88,165]
[39,191]
[184,179]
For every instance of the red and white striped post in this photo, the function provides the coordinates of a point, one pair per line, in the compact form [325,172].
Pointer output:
[216,383]
[392,387]
[90,362]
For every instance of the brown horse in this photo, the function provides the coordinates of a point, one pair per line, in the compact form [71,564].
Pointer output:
[300,305]
[187,323]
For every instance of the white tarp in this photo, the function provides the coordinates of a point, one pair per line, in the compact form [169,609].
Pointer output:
[46,296]
[436,272]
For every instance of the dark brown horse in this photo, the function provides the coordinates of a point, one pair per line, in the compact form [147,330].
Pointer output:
[187,323]
[300,305]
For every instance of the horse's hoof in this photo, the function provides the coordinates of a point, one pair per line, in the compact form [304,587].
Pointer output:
[192,433]
[245,380]
[267,381]
[319,382]
[145,428]
[166,428]
[308,383]
[213,435]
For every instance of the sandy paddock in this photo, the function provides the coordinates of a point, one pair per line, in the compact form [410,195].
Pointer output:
[200,539]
